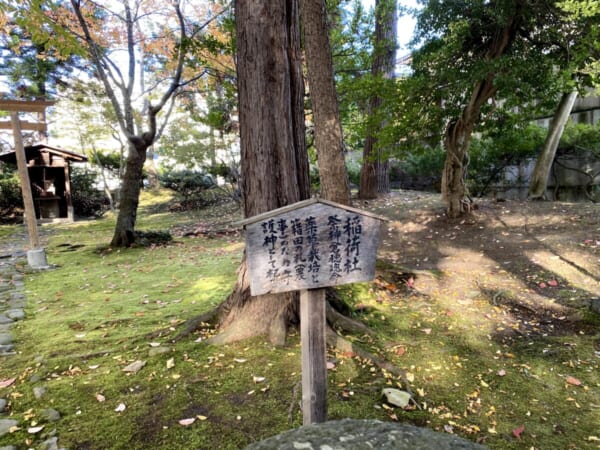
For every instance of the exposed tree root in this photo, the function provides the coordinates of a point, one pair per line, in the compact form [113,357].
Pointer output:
[344,345]
[205,320]
[340,322]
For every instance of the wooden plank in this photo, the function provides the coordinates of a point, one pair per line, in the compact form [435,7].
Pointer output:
[314,356]
[315,246]
[303,204]
[34,240]
[25,105]
[29,126]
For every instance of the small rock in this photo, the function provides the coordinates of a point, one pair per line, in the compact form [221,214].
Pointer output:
[16,304]
[5,349]
[49,444]
[18,277]
[134,367]
[3,404]
[4,319]
[50,415]
[158,351]
[6,425]
[5,338]
[17,296]
[34,378]
[15,314]
[397,397]
[39,392]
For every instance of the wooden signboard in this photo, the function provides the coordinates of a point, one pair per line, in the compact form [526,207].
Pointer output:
[308,246]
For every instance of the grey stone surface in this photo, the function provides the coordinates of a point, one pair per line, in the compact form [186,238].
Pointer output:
[4,319]
[14,304]
[6,425]
[50,444]
[39,392]
[8,348]
[349,434]
[3,404]
[50,415]
[8,447]
[34,378]
[15,314]
[5,338]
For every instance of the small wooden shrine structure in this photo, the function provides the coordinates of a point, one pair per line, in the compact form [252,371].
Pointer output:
[50,179]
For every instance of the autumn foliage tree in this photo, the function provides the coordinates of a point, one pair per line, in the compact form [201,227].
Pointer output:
[140,51]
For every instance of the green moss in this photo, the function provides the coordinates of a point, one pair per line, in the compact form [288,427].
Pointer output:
[100,310]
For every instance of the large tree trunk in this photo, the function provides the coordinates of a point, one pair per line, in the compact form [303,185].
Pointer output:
[129,196]
[273,154]
[374,176]
[457,136]
[329,142]
[456,142]
[543,165]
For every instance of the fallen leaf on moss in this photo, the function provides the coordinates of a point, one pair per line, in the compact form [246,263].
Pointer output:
[7,382]
[518,431]
[134,367]
[187,422]
[572,380]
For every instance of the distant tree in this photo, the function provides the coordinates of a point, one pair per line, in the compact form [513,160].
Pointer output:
[122,40]
[478,61]
[329,140]
[374,177]
[583,55]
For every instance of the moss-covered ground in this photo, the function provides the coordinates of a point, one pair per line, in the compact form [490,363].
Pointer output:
[481,361]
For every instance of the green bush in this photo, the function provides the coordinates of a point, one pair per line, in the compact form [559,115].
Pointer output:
[87,200]
[10,191]
[187,183]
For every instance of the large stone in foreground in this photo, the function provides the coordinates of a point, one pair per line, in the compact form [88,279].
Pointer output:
[349,434]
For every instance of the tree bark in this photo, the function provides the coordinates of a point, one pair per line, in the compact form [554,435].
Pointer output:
[274,162]
[129,196]
[539,179]
[119,90]
[374,176]
[333,176]
[457,136]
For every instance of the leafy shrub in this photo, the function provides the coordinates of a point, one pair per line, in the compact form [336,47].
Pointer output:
[187,183]
[10,191]
[150,238]
[87,200]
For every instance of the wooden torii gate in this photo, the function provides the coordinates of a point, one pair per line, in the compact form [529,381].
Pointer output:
[36,256]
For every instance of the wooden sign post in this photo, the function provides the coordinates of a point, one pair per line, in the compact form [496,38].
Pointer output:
[309,246]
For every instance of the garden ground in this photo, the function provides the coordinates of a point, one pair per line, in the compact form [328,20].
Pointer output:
[488,317]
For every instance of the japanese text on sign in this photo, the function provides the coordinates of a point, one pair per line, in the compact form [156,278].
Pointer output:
[312,247]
